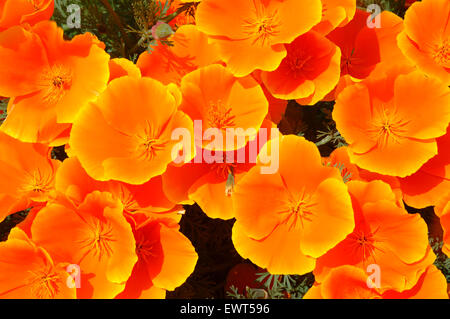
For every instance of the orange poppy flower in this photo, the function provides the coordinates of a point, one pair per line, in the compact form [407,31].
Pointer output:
[391,122]
[27,174]
[49,78]
[126,135]
[223,103]
[28,272]
[442,210]
[349,282]
[190,51]
[122,67]
[335,13]
[284,221]
[166,258]
[310,70]
[247,30]
[211,184]
[363,47]
[425,187]
[95,236]
[15,12]
[426,38]
[384,235]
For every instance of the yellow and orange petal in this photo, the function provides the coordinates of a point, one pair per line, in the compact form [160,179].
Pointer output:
[120,67]
[308,73]
[426,38]
[391,123]
[432,181]
[222,102]
[28,272]
[126,135]
[246,30]
[335,13]
[294,202]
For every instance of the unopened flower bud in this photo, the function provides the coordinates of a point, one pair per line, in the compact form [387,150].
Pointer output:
[161,30]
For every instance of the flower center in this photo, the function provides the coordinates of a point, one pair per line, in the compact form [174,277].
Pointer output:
[127,199]
[149,145]
[387,128]
[296,62]
[145,249]
[364,243]
[56,82]
[298,212]
[44,285]
[38,183]
[98,240]
[442,54]
[219,116]
[263,26]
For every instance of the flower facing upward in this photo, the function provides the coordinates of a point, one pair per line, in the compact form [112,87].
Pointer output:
[28,272]
[247,30]
[310,70]
[384,234]
[27,174]
[222,102]
[49,78]
[426,38]
[284,221]
[95,235]
[391,122]
[126,135]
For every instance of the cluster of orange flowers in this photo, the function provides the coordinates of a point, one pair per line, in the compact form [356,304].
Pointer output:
[113,207]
